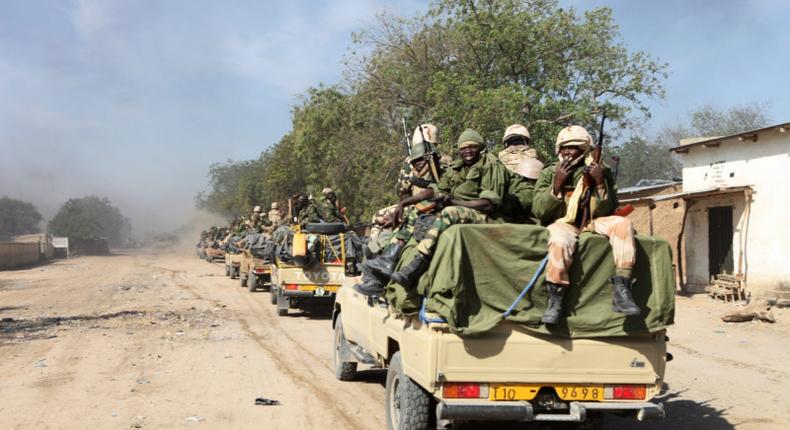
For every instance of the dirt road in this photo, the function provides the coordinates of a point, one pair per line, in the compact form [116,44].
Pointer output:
[167,341]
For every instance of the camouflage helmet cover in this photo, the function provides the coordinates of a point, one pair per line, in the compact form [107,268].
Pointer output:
[429,131]
[275,205]
[529,168]
[470,137]
[256,209]
[326,191]
[515,130]
[574,135]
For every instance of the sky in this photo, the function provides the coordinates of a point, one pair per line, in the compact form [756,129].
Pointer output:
[134,99]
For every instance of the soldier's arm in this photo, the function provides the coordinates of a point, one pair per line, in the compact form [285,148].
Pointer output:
[546,206]
[605,196]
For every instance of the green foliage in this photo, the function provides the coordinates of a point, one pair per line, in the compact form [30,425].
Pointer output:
[91,217]
[18,217]
[479,64]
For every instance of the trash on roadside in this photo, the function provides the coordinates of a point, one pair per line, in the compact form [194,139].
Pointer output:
[142,381]
[194,418]
[262,401]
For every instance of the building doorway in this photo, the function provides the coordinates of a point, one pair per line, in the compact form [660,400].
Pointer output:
[720,240]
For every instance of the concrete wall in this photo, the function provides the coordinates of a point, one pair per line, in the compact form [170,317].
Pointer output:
[762,165]
[18,254]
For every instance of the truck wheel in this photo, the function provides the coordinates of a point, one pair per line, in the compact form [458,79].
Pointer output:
[252,282]
[234,272]
[242,280]
[282,312]
[409,407]
[344,370]
[273,296]
[227,270]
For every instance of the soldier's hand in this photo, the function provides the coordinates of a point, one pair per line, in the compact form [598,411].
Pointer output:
[596,172]
[561,174]
[397,214]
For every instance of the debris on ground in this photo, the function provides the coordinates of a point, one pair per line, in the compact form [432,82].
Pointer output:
[759,309]
[262,401]
[194,418]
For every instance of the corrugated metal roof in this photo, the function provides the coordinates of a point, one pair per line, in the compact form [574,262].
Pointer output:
[689,195]
[697,141]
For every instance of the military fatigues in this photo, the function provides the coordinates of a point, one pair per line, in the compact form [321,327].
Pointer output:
[486,179]
[310,214]
[550,209]
[328,211]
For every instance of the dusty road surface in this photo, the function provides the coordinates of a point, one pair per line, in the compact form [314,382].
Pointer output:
[137,340]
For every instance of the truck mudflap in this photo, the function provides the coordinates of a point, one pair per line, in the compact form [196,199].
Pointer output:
[462,410]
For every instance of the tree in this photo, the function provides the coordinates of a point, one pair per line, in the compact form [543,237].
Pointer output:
[91,217]
[18,217]
[642,160]
[483,64]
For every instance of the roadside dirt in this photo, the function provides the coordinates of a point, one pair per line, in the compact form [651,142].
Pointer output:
[168,342]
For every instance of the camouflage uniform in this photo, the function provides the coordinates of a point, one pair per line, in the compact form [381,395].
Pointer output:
[486,179]
[328,211]
[514,154]
[310,214]
[562,214]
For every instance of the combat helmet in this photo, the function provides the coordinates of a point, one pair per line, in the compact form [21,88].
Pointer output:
[256,209]
[429,131]
[516,130]
[275,205]
[574,135]
[529,168]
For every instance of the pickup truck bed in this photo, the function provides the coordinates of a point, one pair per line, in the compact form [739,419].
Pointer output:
[508,374]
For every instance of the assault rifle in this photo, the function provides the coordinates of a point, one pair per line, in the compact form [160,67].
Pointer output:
[589,182]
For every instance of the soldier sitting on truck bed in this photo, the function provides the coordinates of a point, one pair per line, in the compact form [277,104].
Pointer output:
[327,206]
[424,164]
[558,193]
[470,192]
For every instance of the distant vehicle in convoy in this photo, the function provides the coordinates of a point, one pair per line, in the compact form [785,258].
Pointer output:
[511,372]
[255,271]
[316,271]
[233,264]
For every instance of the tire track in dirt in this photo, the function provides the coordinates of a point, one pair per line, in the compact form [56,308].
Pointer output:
[324,395]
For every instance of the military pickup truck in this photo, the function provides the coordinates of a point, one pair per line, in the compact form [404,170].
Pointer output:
[232,264]
[312,279]
[254,272]
[511,370]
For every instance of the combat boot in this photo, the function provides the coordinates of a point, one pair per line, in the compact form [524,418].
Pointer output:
[370,286]
[623,300]
[385,263]
[408,276]
[554,306]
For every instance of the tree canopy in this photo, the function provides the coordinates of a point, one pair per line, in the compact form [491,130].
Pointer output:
[482,64]
[91,217]
[18,217]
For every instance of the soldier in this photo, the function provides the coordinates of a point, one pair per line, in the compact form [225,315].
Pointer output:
[412,183]
[516,140]
[558,196]
[309,212]
[327,206]
[470,191]
[274,215]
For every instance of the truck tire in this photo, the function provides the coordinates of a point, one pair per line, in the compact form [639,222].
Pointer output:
[252,282]
[325,227]
[282,312]
[344,370]
[273,296]
[242,280]
[234,272]
[409,407]
[227,270]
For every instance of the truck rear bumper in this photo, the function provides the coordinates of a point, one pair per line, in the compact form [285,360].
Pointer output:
[523,411]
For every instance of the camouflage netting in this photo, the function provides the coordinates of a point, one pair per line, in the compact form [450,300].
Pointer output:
[478,271]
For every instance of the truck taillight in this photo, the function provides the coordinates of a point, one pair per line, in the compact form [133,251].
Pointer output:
[460,390]
[624,392]
[291,287]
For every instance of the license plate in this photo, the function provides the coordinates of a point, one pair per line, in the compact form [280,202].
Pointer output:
[513,392]
[316,288]
[528,392]
[579,392]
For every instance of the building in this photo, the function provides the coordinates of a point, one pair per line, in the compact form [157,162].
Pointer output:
[735,208]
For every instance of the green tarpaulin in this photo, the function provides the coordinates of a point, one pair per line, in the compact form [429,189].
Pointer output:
[478,271]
